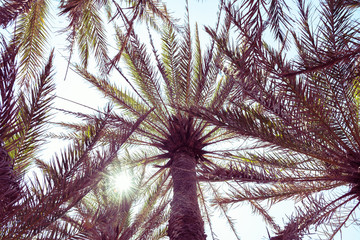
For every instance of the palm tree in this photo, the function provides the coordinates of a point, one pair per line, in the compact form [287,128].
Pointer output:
[176,80]
[304,113]
[32,205]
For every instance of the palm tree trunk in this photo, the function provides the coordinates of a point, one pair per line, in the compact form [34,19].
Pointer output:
[185,219]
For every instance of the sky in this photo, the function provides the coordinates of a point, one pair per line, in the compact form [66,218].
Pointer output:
[249,226]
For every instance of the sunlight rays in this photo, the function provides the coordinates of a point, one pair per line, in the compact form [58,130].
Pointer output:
[121,182]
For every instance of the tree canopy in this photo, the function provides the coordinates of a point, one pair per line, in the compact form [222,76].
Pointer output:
[263,111]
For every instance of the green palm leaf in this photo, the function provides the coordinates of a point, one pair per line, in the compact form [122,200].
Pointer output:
[31,36]
[32,118]
[87,30]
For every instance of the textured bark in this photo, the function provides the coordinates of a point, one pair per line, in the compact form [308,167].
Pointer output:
[185,219]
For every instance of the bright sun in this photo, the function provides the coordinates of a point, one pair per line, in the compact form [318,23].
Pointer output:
[121,182]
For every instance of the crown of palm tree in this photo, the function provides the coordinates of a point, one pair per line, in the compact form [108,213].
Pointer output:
[182,79]
[169,84]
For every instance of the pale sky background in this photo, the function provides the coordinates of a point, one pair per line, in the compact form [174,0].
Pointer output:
[249,226]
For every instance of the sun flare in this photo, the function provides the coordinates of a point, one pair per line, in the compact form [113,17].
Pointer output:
[121,182]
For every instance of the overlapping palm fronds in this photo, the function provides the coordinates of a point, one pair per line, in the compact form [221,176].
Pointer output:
[32,204]
[85,32]
[66,179]
[105,213]
[255,16]
[11,9]
[8,73]
[305,113]
[147,11]
[9,185]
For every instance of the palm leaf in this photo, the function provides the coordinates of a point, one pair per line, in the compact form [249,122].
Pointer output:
[8,109]
[33,114]
[87,31]
[31,36]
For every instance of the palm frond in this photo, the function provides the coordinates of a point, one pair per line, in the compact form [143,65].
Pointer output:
[33,114]
[123,99]
[205,74]
[142,71]
[184,82]
[147,11]
[279,19]
[168,62]
[260,210]
[10,184]
[224,211]
[352,3]
[222,92]
[155,212]
[150,10]
[316,212]
[205,208]
[207,70]
[8,109]
[87,30]
[31,36]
